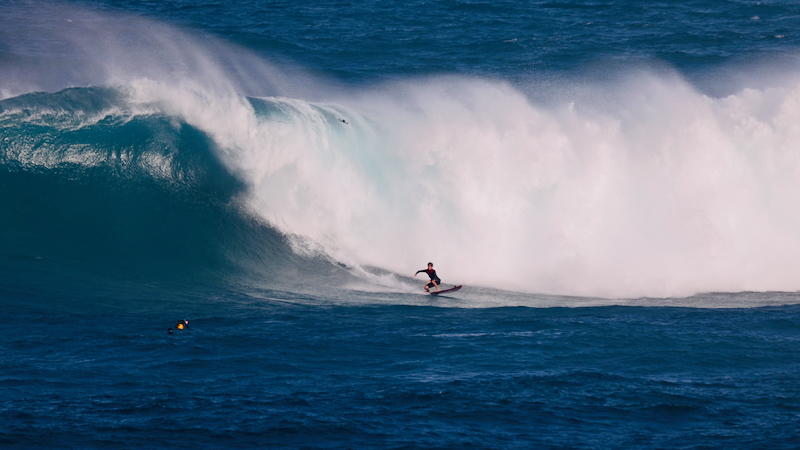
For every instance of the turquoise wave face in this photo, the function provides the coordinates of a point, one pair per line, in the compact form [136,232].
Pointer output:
[85,181]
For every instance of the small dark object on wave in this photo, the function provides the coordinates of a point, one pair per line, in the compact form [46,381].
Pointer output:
[169,330]
[344,121]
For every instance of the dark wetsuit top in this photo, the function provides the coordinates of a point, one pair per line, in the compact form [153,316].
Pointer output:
[431,273]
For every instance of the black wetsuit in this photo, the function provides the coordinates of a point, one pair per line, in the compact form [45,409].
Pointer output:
[432,274]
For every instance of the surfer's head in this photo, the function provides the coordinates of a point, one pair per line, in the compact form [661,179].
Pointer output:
[169,330]
[430,264]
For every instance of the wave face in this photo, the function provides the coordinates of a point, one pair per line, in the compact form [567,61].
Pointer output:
[87,181]
[642,186]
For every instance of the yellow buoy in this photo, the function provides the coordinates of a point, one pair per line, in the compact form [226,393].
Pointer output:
[179,326]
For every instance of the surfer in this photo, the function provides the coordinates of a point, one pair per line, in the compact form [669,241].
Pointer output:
[435,281]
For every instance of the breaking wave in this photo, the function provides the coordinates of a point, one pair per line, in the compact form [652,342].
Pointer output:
[204,153]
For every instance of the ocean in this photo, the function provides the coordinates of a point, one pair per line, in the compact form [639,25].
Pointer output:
[616,184]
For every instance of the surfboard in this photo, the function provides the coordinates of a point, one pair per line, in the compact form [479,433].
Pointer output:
[453,289]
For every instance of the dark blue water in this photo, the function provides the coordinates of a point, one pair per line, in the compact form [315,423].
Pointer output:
[278,375]
[265,373]
[614,183]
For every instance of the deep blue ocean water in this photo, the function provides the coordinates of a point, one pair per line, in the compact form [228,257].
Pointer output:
[616,184]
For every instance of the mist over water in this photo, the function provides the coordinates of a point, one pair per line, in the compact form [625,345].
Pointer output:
[638,186]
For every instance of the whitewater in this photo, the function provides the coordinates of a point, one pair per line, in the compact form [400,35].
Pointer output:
[616,185]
